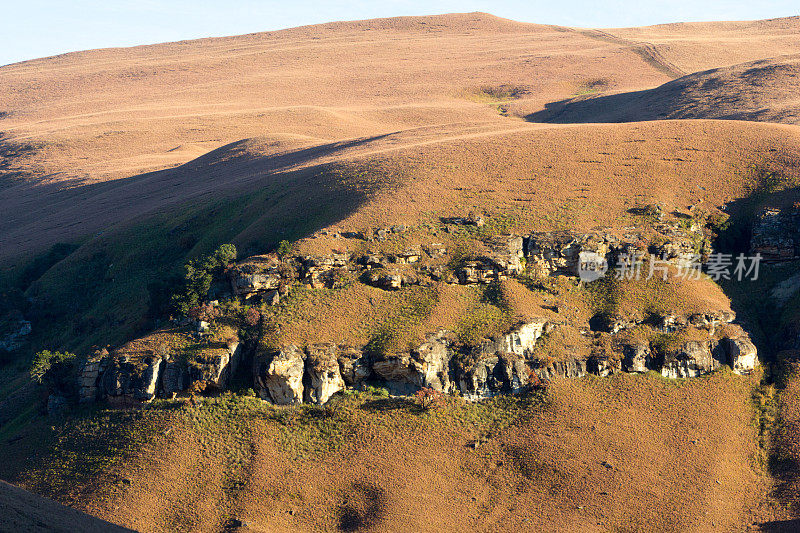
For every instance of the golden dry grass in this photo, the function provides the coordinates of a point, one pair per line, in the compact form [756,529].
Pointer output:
[386,122]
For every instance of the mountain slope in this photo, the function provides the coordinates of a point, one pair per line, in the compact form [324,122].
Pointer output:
[766,90]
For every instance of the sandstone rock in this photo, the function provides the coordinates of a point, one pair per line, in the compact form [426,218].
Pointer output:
[636,357]
[568,368]
[279,376]
[175,378]
[134,379]
[246,284]
[89,377]
[322,370]
[520,341]
[432,362]
[491,376]
[215,365]
[428,365]
[692,359]
[354,366]
[602,365]
[742,355]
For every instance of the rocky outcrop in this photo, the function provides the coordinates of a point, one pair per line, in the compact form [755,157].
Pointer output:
[134,379]
[741,354]
[636,357]
[279,376]
[691,359]
[324,379]
[571,367]
[502,374]
[354,366]
[215,365]
[428,365]
[776,234]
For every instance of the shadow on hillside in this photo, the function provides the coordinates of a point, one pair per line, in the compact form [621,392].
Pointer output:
[781,526]
[43,213]
[361,507]
[662,103]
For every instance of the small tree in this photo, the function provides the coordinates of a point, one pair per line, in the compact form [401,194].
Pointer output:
[200,273]
[51,367]
[429,398]
[284,248]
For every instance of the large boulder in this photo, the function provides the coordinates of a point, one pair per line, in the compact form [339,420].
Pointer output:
[505,374]
[692,359]
[215,365]
[279,375]
[427,365]
[131,378]
[354,365]
[323,377]
[742,354]
[570,367]
[636,357]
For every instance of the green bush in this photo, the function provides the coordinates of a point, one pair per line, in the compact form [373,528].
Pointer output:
[284,248]
[200,273]
[46,364]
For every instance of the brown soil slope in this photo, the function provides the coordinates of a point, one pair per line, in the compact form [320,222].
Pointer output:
[23,511]
[765,90]
[628,453]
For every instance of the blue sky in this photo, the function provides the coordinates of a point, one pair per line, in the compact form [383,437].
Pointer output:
[37,28]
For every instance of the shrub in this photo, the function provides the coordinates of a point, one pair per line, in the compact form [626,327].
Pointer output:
[284,248]
[252,317]
[205,312]
[49,366]
[428,398]
[200,273]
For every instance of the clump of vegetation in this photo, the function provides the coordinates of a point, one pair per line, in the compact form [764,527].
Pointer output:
[205,312]
[200,274]
[491,316]
[284,249]
[592,86]
[50,366]
[665,343]
[428,398]
[504,91]
[605,300]
[392,335]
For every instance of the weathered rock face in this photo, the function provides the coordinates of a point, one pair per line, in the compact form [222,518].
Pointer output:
[175,378]
[432,362]
[742,355]
[354,366]
[89,377]
[324,378]
[506,374]
[428,365]
[137,380]
[692,359]
[636,357]
[216,366]
[602,365]
[776,234]
[279,376]
[568,368]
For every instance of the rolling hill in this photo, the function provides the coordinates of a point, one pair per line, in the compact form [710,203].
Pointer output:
[118,166]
